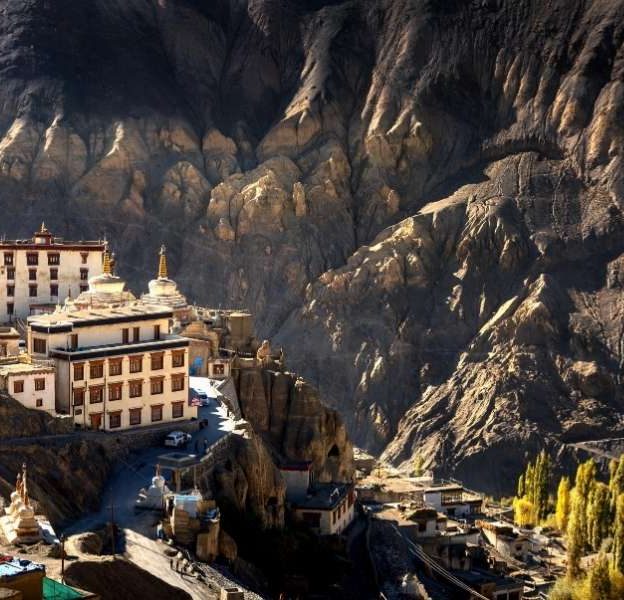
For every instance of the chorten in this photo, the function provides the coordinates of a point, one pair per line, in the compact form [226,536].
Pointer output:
[19,524]
[164,291]
[105,290]
[154,496]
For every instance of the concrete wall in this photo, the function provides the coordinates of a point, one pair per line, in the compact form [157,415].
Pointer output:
[30,395]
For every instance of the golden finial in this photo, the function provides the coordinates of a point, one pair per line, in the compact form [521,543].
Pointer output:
[106,268]
[162,263]
[43,227]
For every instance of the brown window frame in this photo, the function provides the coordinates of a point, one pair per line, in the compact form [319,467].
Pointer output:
[157,384]
[175,355]
[10,291]
[96,369]
[125,336]
[32,290]
[156,407]
[32,274]
[84,274]
[136,359]
[53,274]
[157,331]
[84,256]
[115,392]
[84,288]
[40,384]
[81,396]
[39,402]
[174,408]
[136,335]
[117,422]
[11,273]
[78,371]
[54,289]
[10,308]
[157,361]
[9,259]
[39,343]
[96,388]
[32,259]
[132,412]
[174,379]
[132,390]
[115,362]
[54,258]
[18,383]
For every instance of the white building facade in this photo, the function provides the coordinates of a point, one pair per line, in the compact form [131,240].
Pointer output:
[40,272]
[116,368]
[31,384]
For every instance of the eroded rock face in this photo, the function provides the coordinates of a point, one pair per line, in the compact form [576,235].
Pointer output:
[288,413]
[376,180]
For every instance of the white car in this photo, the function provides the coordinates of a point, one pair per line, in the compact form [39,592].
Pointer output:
[177,438]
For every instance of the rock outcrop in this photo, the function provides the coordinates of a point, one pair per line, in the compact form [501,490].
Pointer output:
[376,180]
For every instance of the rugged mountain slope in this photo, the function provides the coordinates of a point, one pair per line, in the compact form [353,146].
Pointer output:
[420,199]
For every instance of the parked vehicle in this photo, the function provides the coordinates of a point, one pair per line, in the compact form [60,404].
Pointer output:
[177,438]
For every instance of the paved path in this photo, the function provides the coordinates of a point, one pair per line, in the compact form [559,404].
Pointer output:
[139,527]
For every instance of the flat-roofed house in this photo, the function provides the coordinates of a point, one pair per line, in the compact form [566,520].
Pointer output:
[31,383]
[38,273]
[116,367]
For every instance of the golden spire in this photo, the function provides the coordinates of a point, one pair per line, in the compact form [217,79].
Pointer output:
[106,268]
[43,228]
[162,263]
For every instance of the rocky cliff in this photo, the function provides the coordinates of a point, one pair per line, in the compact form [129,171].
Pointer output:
[421,199]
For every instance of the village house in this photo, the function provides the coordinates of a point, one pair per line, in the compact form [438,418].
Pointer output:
[30,382]
[9,342]
[39,272]
[326,508]
[117,365]
[453,500]
[505,539]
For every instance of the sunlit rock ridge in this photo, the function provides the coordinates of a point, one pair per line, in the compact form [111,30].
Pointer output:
[422,201]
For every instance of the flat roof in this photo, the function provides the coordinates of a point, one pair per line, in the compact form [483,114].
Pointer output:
[324,496]
[8,332]
[444,488]
[83,353]
[19,368]
[13,566]
[66,320]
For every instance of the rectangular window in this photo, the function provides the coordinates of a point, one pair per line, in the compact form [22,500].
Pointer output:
[177,358]
[218,369]
[96,394]
[136,334]
[8,258]
[156,332]
[96,370]
[78,372]
[114,366]
[84,288]
[84,274]
[39,384]
[10,308]
[32,291]
[157,413]
[114,391]
[84,256]
[136,364]
[54,258]
[18,387]
[177,383]
[32,258]
[10,290]
[53,274]
[11,273]
[79,395]
[114,420]
[73,341]
[39,346]
[157,386]
[136,389]
[39,402]
[32,274]
[124,336]
[135,416]
[157,361]
[177,409]
[53,289]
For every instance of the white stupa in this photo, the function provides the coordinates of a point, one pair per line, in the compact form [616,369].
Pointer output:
[162,290]
[154,497]
[105,290]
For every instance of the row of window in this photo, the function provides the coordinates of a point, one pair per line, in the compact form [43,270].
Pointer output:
[18,385]
[115,365]
[32,258]
[33,290]
[135,415]
[32,274]
[135,390]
